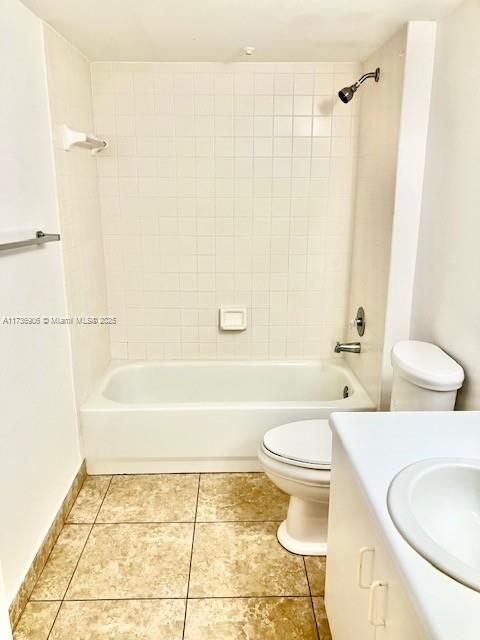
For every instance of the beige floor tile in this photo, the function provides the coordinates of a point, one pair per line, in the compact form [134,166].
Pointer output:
[322,620]
[36,621]
[250,619]
[120,620]
[151,498]
[244,559]
[53,581]
[240,496]
[316,574]
[89,499]
[134,561]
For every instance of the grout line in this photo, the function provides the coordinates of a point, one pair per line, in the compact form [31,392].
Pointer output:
[135,598]
[179,522]
[162,473]
[138,522]
[79,558]
[191,557]
[243,521]
[311,599]
[103,500]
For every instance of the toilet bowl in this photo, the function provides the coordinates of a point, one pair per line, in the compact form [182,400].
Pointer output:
[296,457]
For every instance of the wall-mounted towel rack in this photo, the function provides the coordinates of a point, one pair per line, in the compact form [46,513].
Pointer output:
[40,238]
[72,139]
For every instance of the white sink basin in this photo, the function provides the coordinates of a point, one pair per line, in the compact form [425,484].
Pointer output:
[435,505]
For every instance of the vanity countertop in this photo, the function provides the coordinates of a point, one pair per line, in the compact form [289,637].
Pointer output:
[379,445]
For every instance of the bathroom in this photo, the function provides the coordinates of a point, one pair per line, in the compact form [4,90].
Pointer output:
[239,324]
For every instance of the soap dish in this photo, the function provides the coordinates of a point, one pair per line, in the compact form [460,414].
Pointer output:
[232,318]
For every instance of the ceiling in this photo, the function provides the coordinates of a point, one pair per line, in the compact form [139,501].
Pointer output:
[217,30]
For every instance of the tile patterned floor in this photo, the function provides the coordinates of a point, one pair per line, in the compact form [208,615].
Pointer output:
[176,557]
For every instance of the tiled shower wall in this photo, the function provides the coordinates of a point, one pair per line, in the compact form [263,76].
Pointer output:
[70,97]
[226,184]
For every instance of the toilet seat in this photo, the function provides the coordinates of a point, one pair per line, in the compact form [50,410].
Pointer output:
[306,443]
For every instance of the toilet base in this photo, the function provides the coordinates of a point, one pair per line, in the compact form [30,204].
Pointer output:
[299,547]
[305,530]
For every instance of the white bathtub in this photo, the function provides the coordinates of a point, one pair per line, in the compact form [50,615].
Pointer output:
[153,417]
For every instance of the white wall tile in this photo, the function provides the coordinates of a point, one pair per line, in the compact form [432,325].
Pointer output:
[216,190]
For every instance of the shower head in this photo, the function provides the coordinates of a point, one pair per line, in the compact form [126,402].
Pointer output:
[347,93]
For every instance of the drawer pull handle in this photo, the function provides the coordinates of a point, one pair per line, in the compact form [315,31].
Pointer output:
[361,567]
[376,611]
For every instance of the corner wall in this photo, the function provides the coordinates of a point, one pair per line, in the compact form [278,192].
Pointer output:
[375,197]
[393,138]
[446,307]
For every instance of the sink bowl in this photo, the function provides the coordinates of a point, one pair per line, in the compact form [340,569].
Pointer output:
[435,505]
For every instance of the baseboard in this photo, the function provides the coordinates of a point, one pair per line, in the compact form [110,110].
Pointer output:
[36,568]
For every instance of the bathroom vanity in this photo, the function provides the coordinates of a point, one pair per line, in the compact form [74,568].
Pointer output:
[378,587]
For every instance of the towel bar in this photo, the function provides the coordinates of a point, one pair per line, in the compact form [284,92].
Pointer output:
[40,238]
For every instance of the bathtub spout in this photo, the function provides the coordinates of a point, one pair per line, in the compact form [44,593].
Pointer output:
[348,347]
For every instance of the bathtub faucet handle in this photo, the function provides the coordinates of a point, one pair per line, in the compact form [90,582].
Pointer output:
[348,347]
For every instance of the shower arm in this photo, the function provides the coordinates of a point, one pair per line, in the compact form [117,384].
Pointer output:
[372,74]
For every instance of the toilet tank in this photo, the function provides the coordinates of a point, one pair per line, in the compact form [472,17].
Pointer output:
[425,378]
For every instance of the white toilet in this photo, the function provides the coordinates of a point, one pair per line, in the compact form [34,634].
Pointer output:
[297,456]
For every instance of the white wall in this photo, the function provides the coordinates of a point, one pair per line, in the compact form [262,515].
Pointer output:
[70,94]
[416,96]
[226,184]
[375,196]
[447,305]
[39,452]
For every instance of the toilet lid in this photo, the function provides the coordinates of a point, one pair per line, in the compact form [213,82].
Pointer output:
[307,441]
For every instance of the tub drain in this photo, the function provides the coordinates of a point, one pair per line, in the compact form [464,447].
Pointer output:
[346,392]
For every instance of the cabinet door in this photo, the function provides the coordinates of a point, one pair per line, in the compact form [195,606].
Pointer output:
[357,613]
[349,530]
[401,621]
